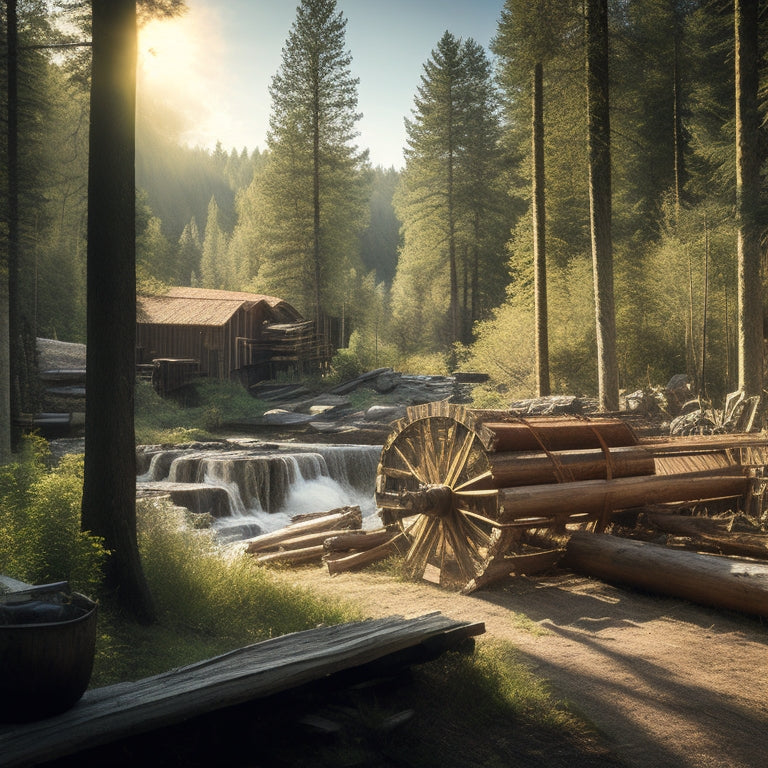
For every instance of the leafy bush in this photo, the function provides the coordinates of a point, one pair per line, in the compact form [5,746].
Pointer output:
[40,536]
[345,365]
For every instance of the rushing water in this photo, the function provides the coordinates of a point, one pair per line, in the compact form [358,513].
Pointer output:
[256,489]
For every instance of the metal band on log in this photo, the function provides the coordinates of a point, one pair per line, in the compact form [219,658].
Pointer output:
[463,485]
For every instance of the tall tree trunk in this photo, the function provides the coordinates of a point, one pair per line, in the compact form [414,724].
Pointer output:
[316,254]
[539,237]
[10,265]
[599,132]
[748,199]
[109,489]
[452,266]
[677,126]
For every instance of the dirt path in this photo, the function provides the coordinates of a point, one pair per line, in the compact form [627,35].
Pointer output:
[667,683]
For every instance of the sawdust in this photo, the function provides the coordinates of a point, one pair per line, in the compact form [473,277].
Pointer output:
[665,682]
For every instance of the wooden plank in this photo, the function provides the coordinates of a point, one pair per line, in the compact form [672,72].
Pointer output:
[106,714]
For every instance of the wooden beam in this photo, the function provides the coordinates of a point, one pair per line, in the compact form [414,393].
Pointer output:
[106,714]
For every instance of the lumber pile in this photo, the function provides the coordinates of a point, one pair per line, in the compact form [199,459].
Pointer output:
[334,537]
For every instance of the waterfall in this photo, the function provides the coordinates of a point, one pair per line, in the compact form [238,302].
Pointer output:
[266,487]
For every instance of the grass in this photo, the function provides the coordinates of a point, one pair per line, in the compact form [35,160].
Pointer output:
[196,413]
[479,709]
[207,604]
[483,709]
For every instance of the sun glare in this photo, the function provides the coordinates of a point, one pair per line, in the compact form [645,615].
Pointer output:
[179,81]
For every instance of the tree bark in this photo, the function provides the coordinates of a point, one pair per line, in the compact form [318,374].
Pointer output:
[677,118]
[539,237]
[599,140]
[748,199]
[109,489]
[10,267]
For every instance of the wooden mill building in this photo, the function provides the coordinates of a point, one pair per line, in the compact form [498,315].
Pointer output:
[224,335]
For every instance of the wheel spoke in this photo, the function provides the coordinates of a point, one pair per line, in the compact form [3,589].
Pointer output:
[467,484]
[459,460]
[408,464]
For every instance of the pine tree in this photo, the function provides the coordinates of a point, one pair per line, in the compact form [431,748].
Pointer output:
[109,487]
[215,269]
[313,189]
[449,201]
[188,252]
[529,36]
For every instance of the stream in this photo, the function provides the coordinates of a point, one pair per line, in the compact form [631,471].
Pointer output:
[250,487]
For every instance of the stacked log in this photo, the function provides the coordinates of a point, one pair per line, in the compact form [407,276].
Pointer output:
[335,537]
[352,551]
[708,534]
[302,540]
[467,487]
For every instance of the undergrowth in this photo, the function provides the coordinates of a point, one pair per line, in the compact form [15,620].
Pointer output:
[195,413]
[207,603]
[40,537]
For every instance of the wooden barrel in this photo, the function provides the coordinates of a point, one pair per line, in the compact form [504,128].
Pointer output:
[46,657]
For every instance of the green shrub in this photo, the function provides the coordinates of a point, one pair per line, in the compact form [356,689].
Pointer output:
[345,365]
[40,536]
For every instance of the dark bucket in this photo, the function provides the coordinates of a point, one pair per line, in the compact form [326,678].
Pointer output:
[46,656]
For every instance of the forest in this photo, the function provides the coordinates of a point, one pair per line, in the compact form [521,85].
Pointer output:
[431,268]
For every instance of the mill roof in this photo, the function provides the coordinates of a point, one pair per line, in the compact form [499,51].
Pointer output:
[207,307]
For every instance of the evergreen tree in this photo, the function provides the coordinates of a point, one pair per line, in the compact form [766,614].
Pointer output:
[313,190]
[155,256]
[529,36]
[454,222]
[215,269]
[189,251]
[109,488]
[380,242]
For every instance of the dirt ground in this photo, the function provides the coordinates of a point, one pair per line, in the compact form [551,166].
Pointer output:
[665,682]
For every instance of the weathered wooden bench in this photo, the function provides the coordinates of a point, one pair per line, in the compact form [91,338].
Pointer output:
[107,714]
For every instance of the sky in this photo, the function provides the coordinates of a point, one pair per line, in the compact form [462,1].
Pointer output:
[212,68]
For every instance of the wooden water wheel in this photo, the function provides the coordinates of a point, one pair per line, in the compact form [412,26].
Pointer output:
[467,487]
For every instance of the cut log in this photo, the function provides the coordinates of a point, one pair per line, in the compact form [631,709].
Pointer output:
[534,468]
[738,544]
[358,540]
[295,542]
[107,714]
[547,502]
[366,557]
[687,525]
[305,516]
[520,565]
[341,520]
[720,582]
[556,433]
[292,556]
